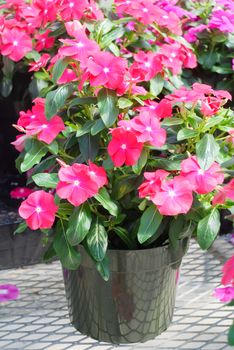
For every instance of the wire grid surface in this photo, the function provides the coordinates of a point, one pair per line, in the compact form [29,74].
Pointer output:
[39,320]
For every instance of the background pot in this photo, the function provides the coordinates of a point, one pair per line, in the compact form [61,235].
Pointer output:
[135,305]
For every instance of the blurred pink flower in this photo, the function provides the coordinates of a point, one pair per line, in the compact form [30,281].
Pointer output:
[20,192]
[225,294]
[8,292]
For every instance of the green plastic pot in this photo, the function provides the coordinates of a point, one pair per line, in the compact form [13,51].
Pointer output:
[137,302]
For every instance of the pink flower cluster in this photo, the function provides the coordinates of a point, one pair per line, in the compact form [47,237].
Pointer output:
[211,100]
[16,32]
[104,69]
[34,123]
[147,12]
[174,195]
[77,183]
[226,294]
[129,137]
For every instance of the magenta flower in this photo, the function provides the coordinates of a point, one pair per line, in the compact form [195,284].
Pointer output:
[124,147]
[225,294]
[228,272]
[106,69]
[174,197]
[222,20]
[79,182]
[8,292]
[147,129]
[42,62]
[152,184]
[15,44]
[20,192]
[73,9]
[38,210]
[226,192]
[202,181]
[44,41]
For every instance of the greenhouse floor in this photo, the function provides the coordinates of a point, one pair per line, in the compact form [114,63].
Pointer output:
[38,320]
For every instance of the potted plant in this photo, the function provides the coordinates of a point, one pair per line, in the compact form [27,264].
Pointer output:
[129,164]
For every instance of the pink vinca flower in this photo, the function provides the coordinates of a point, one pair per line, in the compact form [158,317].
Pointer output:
[124,147]
[226,192]
[20,192]
[67,76]
[44,41]
[42,62]
[15,44]
[81,47]
[19,143]
[8,292]
[79,182]
[146,65]
[73,9]
[39,210]
[147,129]
[225,294]
[202,181]
[174,197]
[107,70]
[228,272]
[45,130]
[152,184]
[160,110]
[98,174]
[223,20]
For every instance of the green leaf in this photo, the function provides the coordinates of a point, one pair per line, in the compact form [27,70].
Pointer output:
[83,101]
[8,67]
[207,150]
[53,147]
[107,104]
[175,229]
[89,146]
[171,121]
[103,197]
[185,133]
[208,229]
[124,236]
[137,168]
[124,185]
[6,86]
[97,127]
[97,241]
[167,164]
[59,68]
[49,254]
[124,103]
[33,55]
[107,39]
[103,268]
[48,180]
[21,227]
[149,223]
[212,122]
[45,164]
[69,257]
[79,224]
[231,335]
[33,156]
[55,100]
[85,129]
[156,85]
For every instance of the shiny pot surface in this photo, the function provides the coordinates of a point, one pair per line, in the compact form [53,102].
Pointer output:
[137,302]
